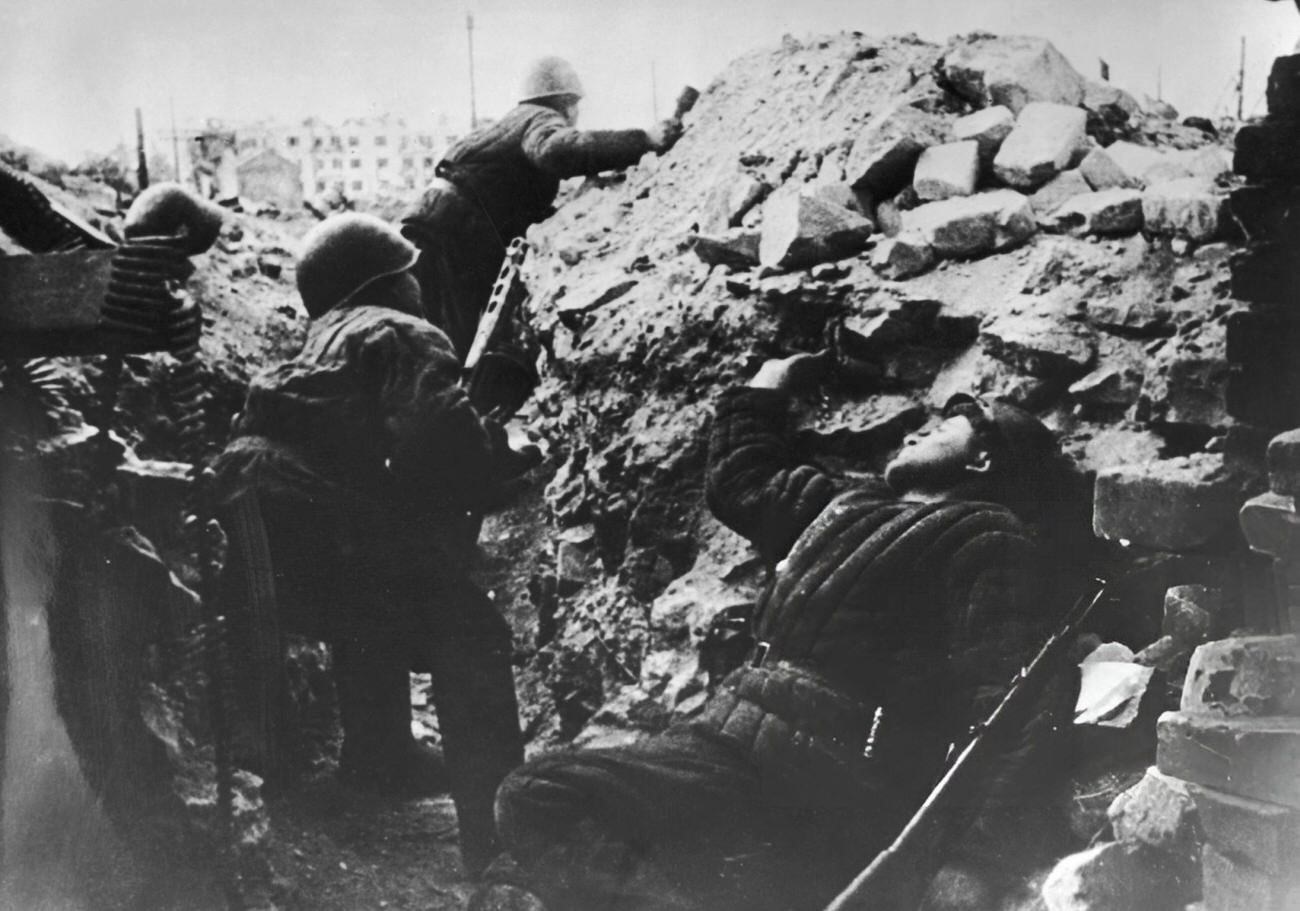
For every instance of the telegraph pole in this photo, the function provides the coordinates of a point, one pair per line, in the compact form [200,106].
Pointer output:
[176,142]
[1241,78]
[141,164]
[473,109]
[654,94]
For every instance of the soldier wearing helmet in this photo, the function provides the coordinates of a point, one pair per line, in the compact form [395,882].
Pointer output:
[371,470]
[502,178]
[898,609]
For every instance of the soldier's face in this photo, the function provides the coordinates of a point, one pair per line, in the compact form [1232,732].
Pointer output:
[934,458]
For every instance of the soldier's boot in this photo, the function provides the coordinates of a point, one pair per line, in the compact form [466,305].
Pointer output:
[379,752]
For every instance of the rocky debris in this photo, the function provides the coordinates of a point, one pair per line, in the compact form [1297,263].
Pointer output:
[946,170]
[1013,71]
[1158,811]
[884,153]
[800,229]
[1057,191]
[1191,612]
[1114,876]
[1175,504]
[1251,675]
[737,247]
[902,256]
[1189,208]
[987,128]
[728,201]
[1039,346]
[1102,173]
[1284,463]
[973,225]
[1107,386]
[1047,139]
[1104,212]
[1103,97]
[1134,160]
[1252,757]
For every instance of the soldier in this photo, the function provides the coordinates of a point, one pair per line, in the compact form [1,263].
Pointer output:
[897,611]
[500,179]
[372,471]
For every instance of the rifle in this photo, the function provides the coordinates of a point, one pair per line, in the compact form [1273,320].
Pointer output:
[507,294]
[896,880]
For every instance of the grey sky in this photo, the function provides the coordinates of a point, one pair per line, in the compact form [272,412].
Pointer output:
[71,71]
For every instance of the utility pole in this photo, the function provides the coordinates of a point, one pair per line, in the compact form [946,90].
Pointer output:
[1241,78]
[1159,80]
[473,108]
[141,163]
[654,94]
[176,142]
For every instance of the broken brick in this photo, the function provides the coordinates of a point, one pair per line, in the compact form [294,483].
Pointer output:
[885,151]
[1157,811]
[1249,757]
[800,230]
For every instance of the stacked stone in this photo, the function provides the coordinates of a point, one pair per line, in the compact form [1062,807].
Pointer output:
[1264,386]
[1236,740]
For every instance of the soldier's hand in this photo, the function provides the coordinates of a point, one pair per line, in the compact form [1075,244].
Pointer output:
[794,373]
[664,135]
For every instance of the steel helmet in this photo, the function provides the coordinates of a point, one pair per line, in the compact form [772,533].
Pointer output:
[170,209]
[549,77]
[343,254]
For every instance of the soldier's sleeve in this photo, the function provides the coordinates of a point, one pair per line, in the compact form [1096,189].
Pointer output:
[437,445]
[1004,609]
[564,151]
[754,484]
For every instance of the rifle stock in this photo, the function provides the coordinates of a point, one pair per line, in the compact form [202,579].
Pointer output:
[897,879]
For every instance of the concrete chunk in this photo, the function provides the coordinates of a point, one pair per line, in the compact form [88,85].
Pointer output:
[1248,757]
[1038,345]
[1265,833]
[1173,504]
[1010,70]
[946,170]
[1190,208]
[1104,212]
[885,151]
[1047,139]
[1119,877]
[903,256]
[1102,173]
[1057,191]
[973,225]
[800,229]
[1157,811]
[1134,160]
[987,128]
[734,247]
[1246,675]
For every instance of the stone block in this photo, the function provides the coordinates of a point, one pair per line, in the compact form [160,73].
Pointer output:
[1190,612]
[1269,150]
[801,230]
[1039,346]
[1284,463]
[1104,212]
[1231,885]
[734,247]
[1245,675]
[1248,757]
[987,128]
[1009,70]
[946,170]
[1180,504]
[1190,208]
[1134,160]
[1264,834]
[1283,90]
[971,226]
[1120,877]
[1058,191]
[1157,811]
[1102,173]
[1047,139]
[884,152]
[1188,389]
[903,256]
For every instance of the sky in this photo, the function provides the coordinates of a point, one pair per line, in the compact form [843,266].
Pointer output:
[73,71]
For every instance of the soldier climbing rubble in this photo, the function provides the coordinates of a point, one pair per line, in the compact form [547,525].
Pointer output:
[502,178]
[897,612]
[372,471]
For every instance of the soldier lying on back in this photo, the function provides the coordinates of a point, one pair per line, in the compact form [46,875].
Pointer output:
[898,611]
